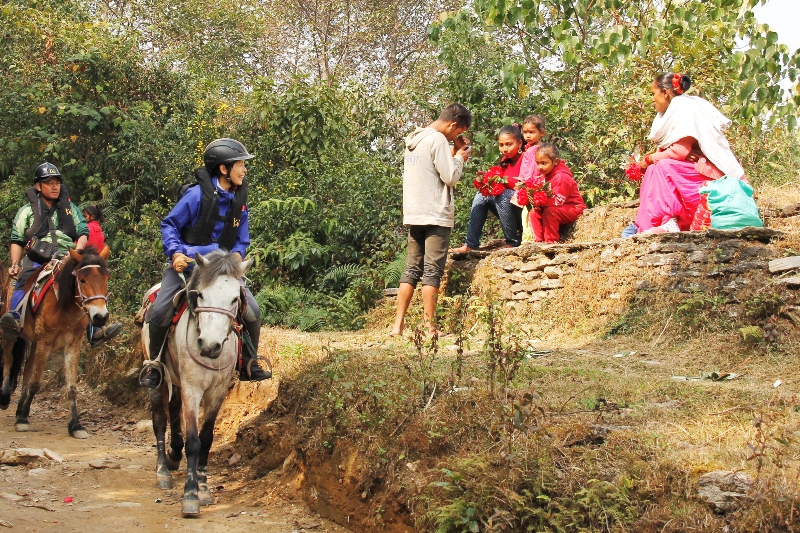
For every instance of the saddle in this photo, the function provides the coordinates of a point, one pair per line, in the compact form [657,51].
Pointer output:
[180,303]
[41,281]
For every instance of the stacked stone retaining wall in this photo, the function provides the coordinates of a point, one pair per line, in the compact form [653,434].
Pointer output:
[580,283]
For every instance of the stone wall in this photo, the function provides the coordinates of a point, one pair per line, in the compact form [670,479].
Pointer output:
[601,279]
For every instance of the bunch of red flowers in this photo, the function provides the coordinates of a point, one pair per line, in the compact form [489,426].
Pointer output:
[533,192]
[493,183]
[634,172]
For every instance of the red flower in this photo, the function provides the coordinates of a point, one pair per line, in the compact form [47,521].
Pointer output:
[676,83]
[540,199]
[633,172]
[522,197]
[493,182]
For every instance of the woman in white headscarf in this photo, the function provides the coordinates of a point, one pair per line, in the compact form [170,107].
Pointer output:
[692,149]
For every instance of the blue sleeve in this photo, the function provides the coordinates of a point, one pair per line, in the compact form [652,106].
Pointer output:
[184,214]
[243,238]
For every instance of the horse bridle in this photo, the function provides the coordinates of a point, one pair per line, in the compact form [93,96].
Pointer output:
[81,296]
[195,310]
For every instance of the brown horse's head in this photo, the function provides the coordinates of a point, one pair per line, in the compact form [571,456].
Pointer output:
[83,281]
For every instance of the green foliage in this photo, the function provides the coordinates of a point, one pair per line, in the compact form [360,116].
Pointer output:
[587,65]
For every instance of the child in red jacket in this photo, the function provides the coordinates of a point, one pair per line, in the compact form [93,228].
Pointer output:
[565,204]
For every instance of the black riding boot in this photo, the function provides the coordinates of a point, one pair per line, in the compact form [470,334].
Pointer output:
[250,370]
[151,374]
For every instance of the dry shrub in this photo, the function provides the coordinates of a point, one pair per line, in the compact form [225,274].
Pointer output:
[602,223]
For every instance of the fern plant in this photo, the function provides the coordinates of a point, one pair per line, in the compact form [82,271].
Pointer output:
[393,271]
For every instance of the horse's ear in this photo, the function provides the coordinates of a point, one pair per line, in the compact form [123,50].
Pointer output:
[246,265]
[105,252]
[201,261]
[75,256]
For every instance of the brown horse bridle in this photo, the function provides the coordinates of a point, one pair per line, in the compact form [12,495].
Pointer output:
[80,298]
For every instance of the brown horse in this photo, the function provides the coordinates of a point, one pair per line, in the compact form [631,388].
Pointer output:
[57,326]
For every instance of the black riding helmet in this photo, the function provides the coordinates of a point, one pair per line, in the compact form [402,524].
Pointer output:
[45,171]
[224,152]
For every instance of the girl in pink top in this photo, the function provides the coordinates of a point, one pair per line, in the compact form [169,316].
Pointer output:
[692,149]
[94,216]
[533,129]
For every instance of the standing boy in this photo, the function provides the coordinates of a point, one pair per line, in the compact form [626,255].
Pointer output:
[430,171]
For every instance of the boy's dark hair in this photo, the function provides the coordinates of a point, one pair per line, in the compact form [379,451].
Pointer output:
[664,81]
[95,212]
[537,121]
[550,150]
[457,113]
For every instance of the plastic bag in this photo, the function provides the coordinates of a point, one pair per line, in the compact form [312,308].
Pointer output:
[731,203]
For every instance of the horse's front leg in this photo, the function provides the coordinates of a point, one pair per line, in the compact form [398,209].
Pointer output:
[31,381]
[175,434]
[212,404]
[158,409]
[72,353]
[190,506]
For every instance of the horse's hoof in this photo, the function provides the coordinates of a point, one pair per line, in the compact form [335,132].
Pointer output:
[164,482]
[206,498]
[4,406]
[22,427]
[80,434]
[190,508]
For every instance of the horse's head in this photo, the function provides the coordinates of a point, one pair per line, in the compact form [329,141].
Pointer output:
[215,296]
[90,273]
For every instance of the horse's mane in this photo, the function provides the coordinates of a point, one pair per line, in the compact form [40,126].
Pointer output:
[66,281]
[219,264]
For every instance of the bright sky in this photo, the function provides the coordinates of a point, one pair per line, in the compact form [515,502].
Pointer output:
[782,17]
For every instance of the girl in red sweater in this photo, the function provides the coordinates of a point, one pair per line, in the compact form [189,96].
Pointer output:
[511,145]
[565,204]
[94,216]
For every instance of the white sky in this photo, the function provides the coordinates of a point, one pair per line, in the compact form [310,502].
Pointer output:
[782,17]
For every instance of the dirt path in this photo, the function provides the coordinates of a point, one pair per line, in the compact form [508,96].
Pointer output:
[36,497]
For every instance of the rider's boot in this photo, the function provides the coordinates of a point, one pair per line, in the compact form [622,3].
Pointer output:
[97,335]
[250,370]
[10,321]
[151,375]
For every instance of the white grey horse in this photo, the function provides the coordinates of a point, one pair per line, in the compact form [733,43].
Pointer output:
[200,362]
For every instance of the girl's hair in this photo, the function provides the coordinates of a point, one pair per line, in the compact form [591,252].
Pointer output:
[95,212]
[550,150]
[536,120]
[515,131]
[677,83]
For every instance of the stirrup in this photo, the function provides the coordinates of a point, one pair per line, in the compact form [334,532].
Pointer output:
[245,374]
[156,366]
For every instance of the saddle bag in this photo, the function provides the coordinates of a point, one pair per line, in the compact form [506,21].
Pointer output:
[40,252]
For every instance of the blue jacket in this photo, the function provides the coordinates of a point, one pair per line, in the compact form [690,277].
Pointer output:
[186,212]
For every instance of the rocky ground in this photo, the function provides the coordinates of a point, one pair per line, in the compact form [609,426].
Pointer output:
[107,483]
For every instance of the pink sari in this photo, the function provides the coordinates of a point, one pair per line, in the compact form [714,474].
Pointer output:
[669,189]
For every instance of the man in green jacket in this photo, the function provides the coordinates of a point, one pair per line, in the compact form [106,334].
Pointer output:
[49,213]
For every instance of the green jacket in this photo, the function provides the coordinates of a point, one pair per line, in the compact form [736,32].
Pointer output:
[24,220]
